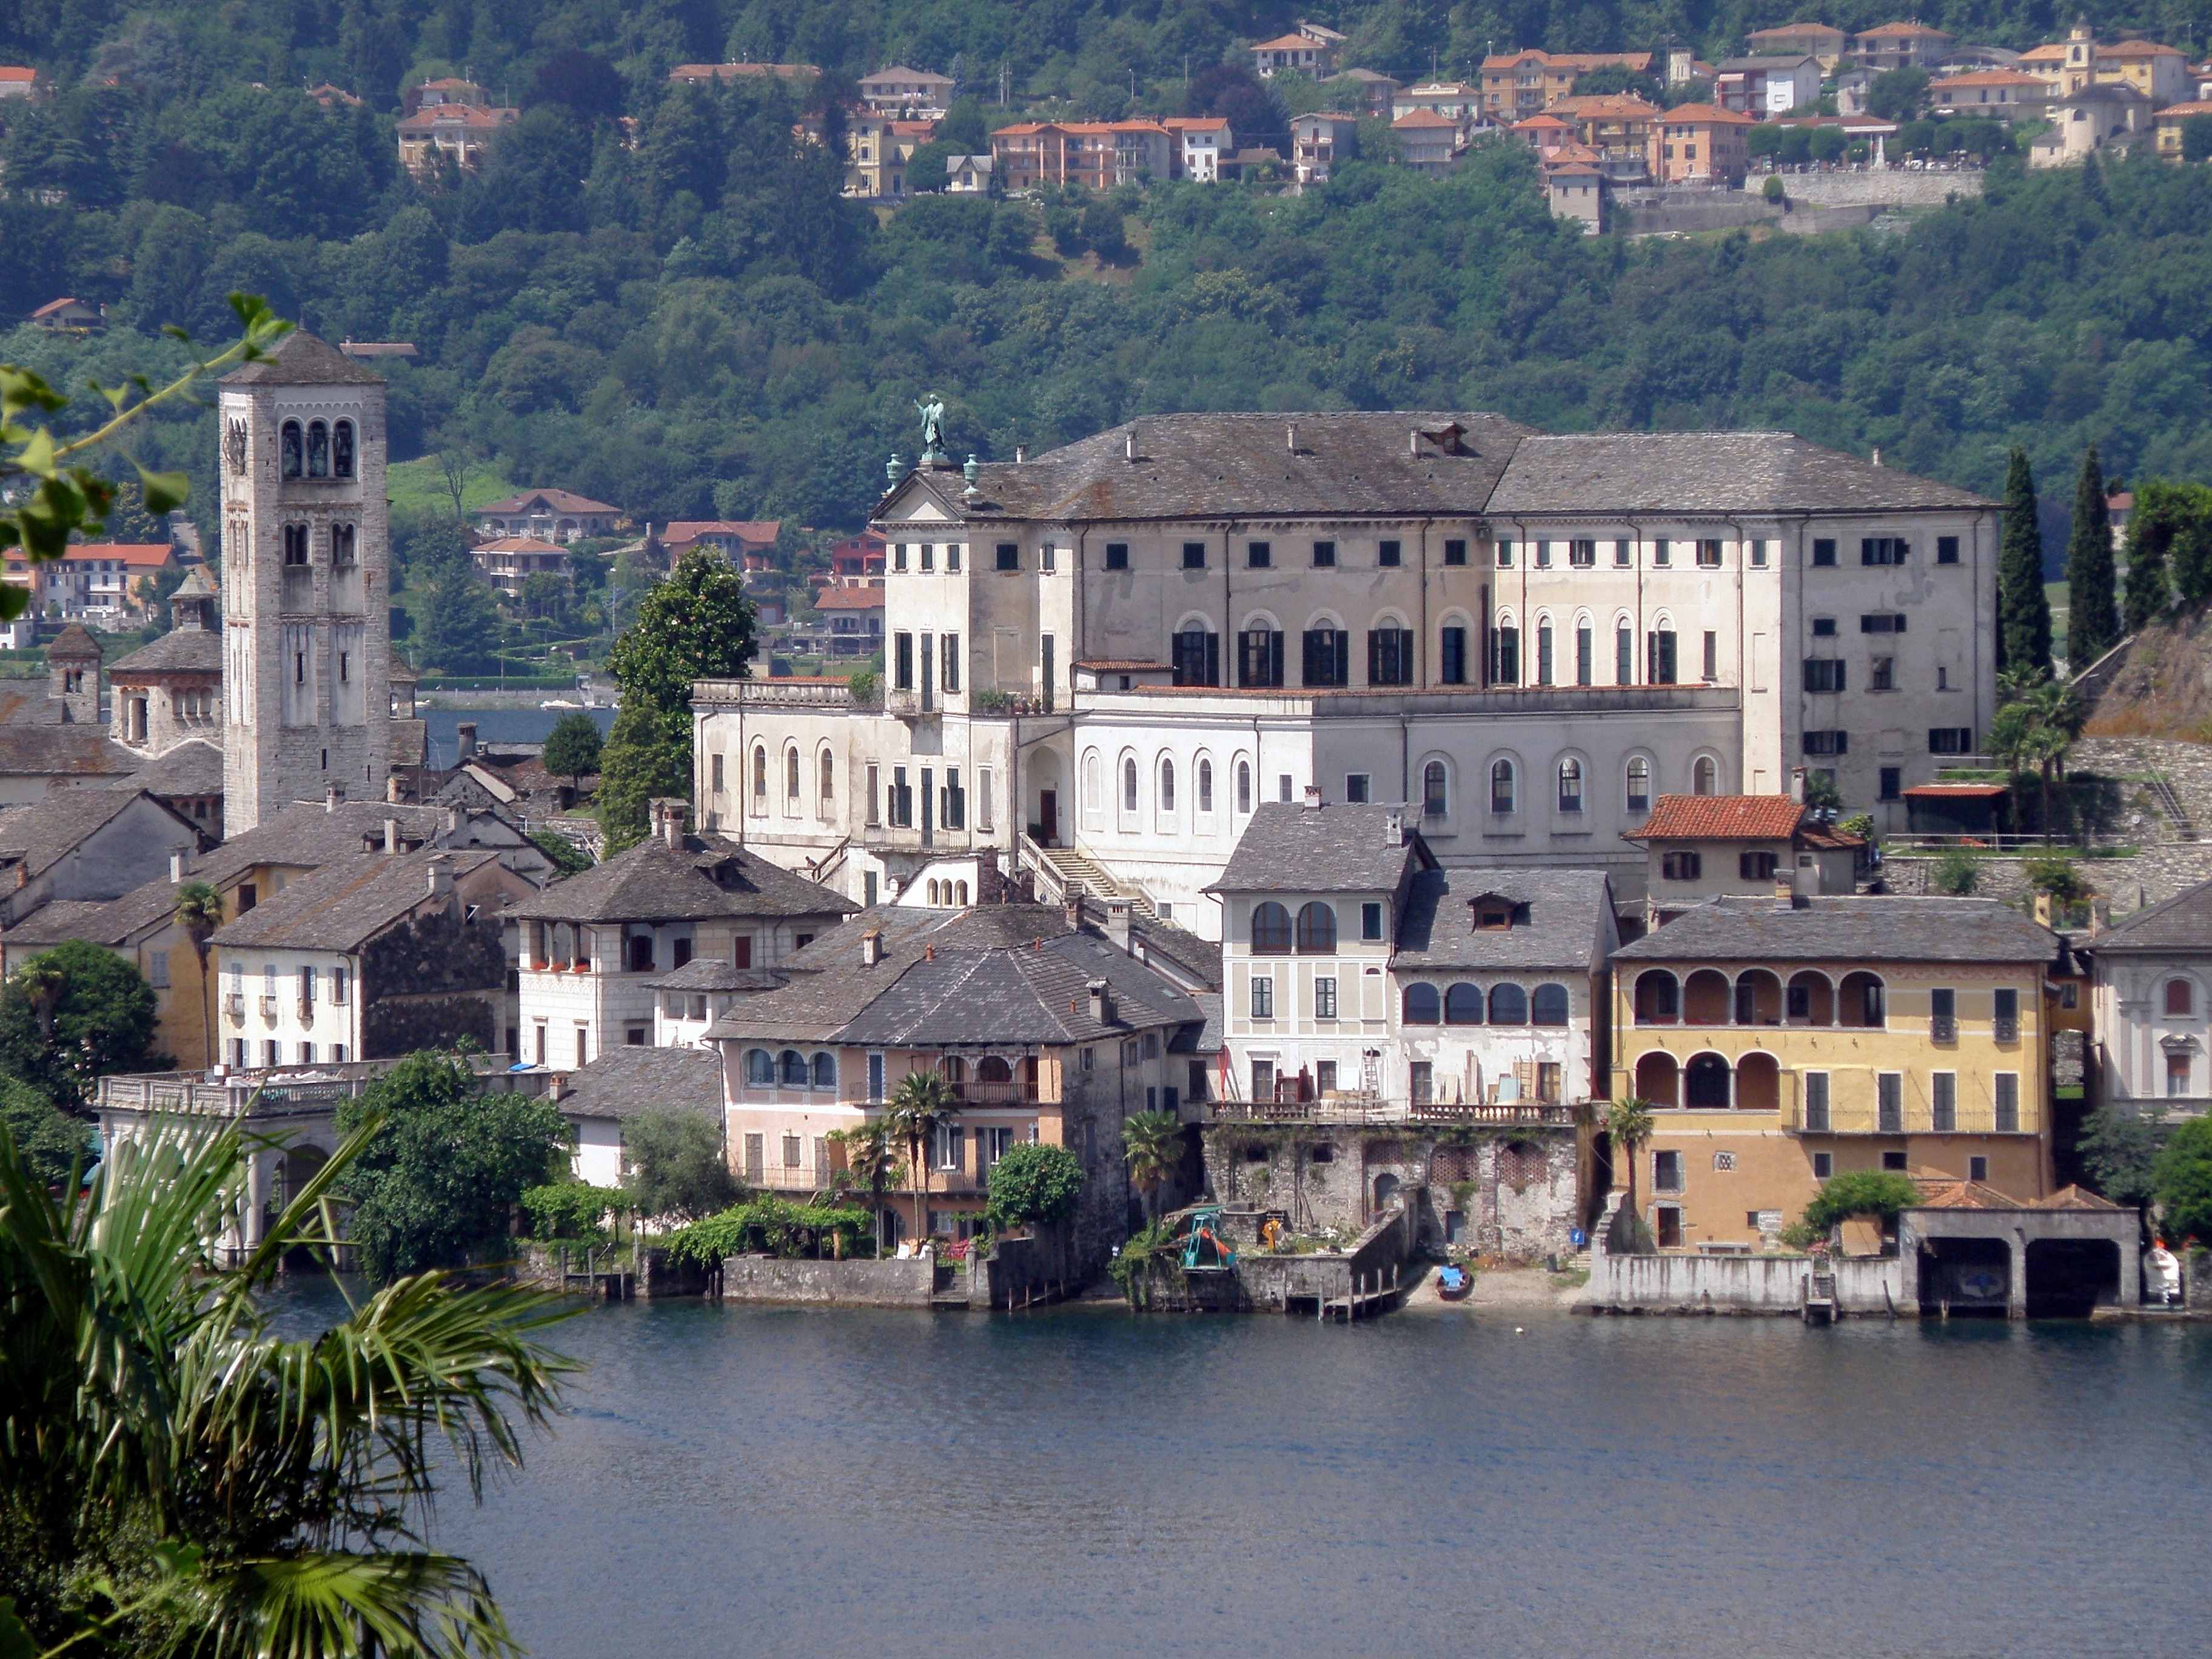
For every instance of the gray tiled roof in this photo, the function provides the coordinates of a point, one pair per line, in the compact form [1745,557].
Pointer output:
[193,768]
[49,924]
[47,830]
[44,750]
[625,1082]
[1346,464]
[1871,929]
[300,359]
[1336,848]
[1707,474]
[180,651]
[2182,923]
[1568,911]
[342,905]
[713,876]
[712,974]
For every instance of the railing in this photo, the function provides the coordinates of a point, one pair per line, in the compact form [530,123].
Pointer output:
[1370,1109]
[235,1005]
[1942,1028]
[306,1011]
[2005,1030]
[269,1009]
[820,693]
[1050,886]
[996,1094]
[278,1091]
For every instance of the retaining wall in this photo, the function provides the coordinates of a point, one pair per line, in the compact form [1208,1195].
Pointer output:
[1889,187]
[852,1284]
[1749,1284]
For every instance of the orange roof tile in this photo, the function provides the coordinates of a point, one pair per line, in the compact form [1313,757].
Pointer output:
[1601,106]
[1721,818]
[1706,115]
[1424,117]
[131,553]
[1993,77]
[849,599]
[1288,43]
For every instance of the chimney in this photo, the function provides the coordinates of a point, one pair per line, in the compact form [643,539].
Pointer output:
[467,732]
[1786,886]
[1313,797]
[177,864]
[1877,454]
[1102,1010]
[1290,437]
[441,879]
[1117,922]
[1414,442]
[1394,828]
[1021,452]
[1797,784]
[391,789]
[1129,444]
[334,797]
[392,835]
[1074,907]
[2044,911]
[667,812]
[2101,916]
[871,947]
[929,953]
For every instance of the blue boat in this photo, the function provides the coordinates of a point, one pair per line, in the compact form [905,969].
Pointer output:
[1454,1283]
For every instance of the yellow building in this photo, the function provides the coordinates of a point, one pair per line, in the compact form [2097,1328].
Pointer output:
[2159,72]
[1782,1040]
[2169,122]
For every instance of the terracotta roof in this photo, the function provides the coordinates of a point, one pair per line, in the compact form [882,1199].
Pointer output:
[64,304]
[518,545]
[745,530]
[2169,112]
[149,554]
[1955,791]
[1947,1193]
[2140,49]
[1721,818]
[1424,117]
[1287,43]
[434,116]
[1902,32]
[1544,123]
[1706,115]
[561,500]
[1990,77]
[1609,105]
[1195,124]
[849,599]
[14,74]
[2051,52]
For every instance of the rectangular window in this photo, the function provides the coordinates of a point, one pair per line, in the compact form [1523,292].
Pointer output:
[1326,653]
[1454,552]
[1009,555]
[1712,656]
[929,555]
[1420,1083]
[1543,555]
[1624,555]
[1882,622]
[1505,666]
[1943,1015]
[952,555]
[1827,742]
[1263,1081]
[875,781]
[1046,557]
[1882,550]
[1824,1165]
[1194,556]
[1197,657]
[1943,1102]
[1759,554]
[1977,1168]
[338,977]
[948,649]
[1324,555]
[1355,787]
[1624,656]
[1892,783]
[1757,866]
[1505,555]
[1390,656]
[1889,1102]
[1544,654]
[1824,552]
[1582,556]
[1709,555]
[1824,674]
[1258,555]
[1663,552]
[903,662]
[1667,1231]
[1946,550]
[2005,1024]
[1661,649]
[1666,1172]
[902,800]
[1117,556]
[1371,922]
[157,970]
[952,801]
[1881,674]
[1324,999]
[2007,1102]
[1386,555]
[1259,658]
[1263,997]
[1583,652]
[2177,1075]
[1451,657]
[875,1077]
[1681,866]
[1823,627]
[1951,740]
[898,555]
[1816,1103]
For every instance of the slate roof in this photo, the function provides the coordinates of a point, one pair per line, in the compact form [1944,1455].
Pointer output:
[1707,474]
[180,651]
[47,830]
[2182,923]
[49,924]
[1337,847]
[713,876]
[624,1082]
[1838,929]
[1566,910]
[300,359]
[342,906]
[47,750]
[192,768]
[712,974]
[1347,465]
[73,642]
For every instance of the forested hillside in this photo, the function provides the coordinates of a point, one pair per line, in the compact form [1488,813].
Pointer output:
[699,325]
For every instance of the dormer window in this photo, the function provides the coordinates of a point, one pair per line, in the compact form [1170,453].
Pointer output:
[1492,913]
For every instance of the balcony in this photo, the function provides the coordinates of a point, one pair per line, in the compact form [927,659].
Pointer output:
[1942,1028]
[997,1094]
[306,1011]
[1362,1109]
[2006,1030]
[235,1005]
[268,1010]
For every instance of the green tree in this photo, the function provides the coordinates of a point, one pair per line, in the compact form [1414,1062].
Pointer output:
[199,912]
[573,1210]
[675,1165]
[569,859]
[1034,1182]
[645,756]
[1821,793]
[572,748]
[1957,871]
[2152,527]
[1828,143]
[462,627]
[2182,1181]
[1628,1125]
[51,1141]
[1153,1142]
[177,1474]
[2196,139]
[2120,1153]
[872,1162]
[1896,93]
[438,1182]
[2023,608]
[2093,625]
[1873,1195]
[920,1105]
[71,1015]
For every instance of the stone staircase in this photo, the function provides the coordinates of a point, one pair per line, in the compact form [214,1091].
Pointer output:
[1072,867]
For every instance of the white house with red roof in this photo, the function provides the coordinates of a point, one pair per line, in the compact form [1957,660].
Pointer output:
[1197,145]
[1310,50]
[551,515]
[1701,847]
[16,82]
[743,542]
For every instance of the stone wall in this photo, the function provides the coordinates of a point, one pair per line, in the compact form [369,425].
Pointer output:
[1748,1284]
[888,1283]
[1891,186]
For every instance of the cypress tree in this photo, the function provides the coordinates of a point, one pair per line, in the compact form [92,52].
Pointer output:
[2091,626]
[2023,610]
[2150,527]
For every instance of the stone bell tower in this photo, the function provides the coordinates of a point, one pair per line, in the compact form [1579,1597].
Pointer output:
[307,633]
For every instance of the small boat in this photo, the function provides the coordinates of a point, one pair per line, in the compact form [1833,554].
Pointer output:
[558,703]
[1454,1283]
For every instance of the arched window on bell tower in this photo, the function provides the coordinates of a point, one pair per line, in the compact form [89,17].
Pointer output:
[292,447]
[341,463]
[319,450]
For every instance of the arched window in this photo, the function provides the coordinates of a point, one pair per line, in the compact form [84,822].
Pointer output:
[341,450]
[1544,651]
[1271,928]
[791,775]
[1317,929]
[1243,785]
[828,769]
[1549,1005]
[1501,786]
[1705,1083]
[1205,786]
[1705,776]
[792,1066]
[1436,790]
[1094,788]
[1167,785]
[1639,785]
[1658,998]
[960,894]
[2180,998]
[1570,785]
[1421,1007]
[825,1071]
[319,450]
[1129,785]
[291,450]
[760,1066]
[1463,1005]
[760,770]
[1508,1006]
[933,891]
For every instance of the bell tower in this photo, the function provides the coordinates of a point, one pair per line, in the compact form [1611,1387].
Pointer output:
[307,650]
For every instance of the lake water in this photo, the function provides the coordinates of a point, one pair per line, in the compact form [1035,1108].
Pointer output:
[497,725]
[743,1483]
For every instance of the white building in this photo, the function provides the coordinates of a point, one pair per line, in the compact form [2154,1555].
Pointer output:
[2151,994]
[1201,142]
[1101,660]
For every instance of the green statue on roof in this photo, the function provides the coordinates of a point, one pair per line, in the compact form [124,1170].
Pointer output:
[932,409]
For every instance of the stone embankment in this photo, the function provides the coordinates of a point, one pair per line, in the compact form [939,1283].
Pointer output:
[1818,201]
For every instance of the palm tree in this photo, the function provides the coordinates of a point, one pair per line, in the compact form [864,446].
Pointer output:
[920,1105]
[199,913]
[872,1162]
[41,981]
[1154,1141]
[2012,740]
[2058,720]
[252,1493]
[1628,1125]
